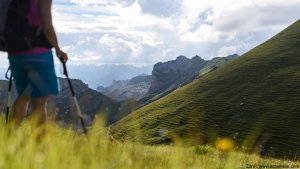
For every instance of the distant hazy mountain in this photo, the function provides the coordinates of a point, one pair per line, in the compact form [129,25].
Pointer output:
[134,88]
[104,75]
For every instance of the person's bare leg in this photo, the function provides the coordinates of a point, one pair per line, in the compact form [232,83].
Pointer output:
[39,110]
[19,109]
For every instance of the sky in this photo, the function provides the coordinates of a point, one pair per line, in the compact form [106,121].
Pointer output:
[144,32]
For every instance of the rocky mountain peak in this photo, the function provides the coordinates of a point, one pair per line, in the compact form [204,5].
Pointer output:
[174,72]
[181,58]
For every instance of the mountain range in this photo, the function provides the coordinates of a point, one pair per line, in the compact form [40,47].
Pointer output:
[134,88]
[165,78]
[104,75]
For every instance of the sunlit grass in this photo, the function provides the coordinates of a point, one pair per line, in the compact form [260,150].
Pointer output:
[59,148]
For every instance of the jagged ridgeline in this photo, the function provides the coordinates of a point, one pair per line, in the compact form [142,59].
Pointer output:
[254,100]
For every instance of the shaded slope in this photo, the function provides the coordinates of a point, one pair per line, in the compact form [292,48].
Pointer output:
[254,99]
[91,103]
[62,107]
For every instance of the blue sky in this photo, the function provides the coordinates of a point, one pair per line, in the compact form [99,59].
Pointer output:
[144,32]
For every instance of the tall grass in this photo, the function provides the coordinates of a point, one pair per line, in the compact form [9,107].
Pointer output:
[58,148]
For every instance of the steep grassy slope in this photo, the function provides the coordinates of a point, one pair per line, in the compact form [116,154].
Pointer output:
[254,100]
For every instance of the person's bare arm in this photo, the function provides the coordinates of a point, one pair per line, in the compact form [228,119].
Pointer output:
[47,25]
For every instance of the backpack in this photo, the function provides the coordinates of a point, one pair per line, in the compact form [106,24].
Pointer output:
[16,34]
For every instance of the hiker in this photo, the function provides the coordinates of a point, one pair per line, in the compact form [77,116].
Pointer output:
[33,69]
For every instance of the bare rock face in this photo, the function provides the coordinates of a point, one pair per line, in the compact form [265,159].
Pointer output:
[166,76]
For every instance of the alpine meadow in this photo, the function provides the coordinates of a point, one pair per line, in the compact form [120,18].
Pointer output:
[149,84]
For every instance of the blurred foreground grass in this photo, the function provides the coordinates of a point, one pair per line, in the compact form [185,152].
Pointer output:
[64,149]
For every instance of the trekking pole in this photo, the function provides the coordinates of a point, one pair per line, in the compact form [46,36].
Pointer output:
[74,96]
[9,95]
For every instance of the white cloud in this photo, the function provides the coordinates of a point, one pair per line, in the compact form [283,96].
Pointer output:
[228,50]
[146,32]
[204,33]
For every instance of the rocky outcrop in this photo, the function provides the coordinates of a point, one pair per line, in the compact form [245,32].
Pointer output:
[166,76]
[122,90]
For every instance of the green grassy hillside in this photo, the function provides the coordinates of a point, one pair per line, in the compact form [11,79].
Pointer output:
[254,100]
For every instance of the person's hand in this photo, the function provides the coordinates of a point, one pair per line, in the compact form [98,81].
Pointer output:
[63,57]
